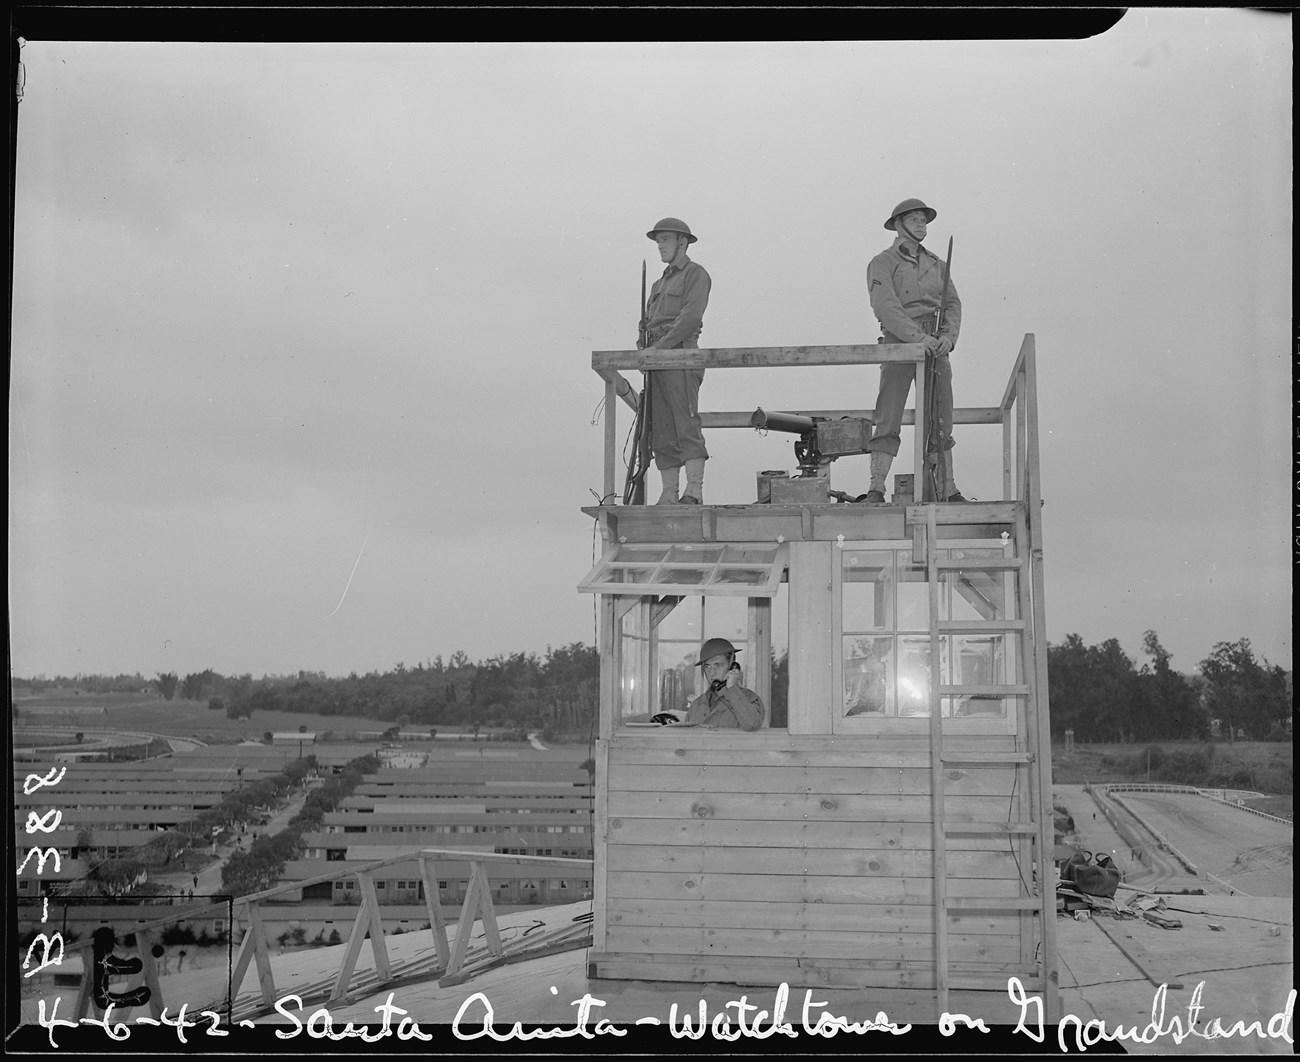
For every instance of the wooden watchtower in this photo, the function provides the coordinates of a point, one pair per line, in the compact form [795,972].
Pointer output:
[896,830]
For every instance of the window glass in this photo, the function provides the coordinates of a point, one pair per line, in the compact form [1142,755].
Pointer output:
[885,650]
[913,594]
[976,594]
[914,674]
[868,683]
[866,589]
[723,570]
[631,661]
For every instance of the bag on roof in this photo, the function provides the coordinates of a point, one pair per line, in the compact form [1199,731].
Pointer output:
[1097,879]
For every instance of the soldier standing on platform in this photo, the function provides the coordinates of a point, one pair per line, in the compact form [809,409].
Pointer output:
[905,284]
[674,319]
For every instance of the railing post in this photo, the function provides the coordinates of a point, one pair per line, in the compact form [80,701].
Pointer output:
[368,918]
[433,902]
[611,441]
[921,477]
[144,947]
[253,946]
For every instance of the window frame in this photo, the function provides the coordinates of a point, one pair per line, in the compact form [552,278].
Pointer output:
[633,655]
[891,722]
[662,559]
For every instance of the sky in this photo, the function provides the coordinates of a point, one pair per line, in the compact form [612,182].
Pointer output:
[301,333]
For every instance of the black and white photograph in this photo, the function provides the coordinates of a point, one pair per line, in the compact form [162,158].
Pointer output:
[650,546]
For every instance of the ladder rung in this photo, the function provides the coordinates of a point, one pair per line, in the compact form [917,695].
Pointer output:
[992,626]
[988,564]
[984,758]
[993,903]
[1021,829]
[1030,979]
[984,691]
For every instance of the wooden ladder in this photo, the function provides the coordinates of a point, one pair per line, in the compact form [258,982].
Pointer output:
[1028,825]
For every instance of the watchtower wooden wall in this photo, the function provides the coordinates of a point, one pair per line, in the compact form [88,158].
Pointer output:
[849,850]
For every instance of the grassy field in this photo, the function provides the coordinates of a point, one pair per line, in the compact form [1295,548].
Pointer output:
[1262,766]
[175,718]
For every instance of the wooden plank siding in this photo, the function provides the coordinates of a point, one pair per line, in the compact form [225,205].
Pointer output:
[772,857]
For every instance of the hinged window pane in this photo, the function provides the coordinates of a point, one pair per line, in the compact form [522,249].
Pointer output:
[736,571]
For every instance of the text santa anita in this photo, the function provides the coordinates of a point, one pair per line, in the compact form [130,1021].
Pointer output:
[739,1018]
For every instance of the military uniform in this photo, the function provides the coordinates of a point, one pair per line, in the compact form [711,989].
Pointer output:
[675,318]
[905,290]
[905,284]
[731,707]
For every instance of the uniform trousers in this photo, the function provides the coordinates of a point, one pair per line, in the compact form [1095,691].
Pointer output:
[676,431]
[895,382]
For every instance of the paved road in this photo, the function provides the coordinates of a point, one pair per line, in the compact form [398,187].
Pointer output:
[1143,863]
[210,876]
[1253,854]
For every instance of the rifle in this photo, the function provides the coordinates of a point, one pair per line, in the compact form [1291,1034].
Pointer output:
[937,459]
[644,338]
[634,488]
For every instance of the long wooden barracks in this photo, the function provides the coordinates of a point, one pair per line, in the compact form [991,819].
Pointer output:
[894,830]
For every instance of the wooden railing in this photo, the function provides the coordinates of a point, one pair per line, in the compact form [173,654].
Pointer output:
[1018,415]
[1016,412]
[451,954]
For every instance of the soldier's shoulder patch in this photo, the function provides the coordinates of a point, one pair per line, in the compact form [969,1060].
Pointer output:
[875,282]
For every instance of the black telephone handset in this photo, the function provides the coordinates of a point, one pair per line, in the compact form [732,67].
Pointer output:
[717,685]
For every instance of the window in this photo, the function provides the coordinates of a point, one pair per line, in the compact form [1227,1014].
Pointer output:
[882,611]
[659,642]
[730,570]
[667,598]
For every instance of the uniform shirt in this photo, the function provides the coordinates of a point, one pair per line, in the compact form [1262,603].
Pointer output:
[905,291]
[675,311]
[733,706]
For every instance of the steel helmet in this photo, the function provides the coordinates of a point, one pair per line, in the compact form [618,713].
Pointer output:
[716,647]
[906,207]
[673,225]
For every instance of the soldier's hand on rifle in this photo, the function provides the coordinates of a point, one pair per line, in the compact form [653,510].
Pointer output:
[944,346]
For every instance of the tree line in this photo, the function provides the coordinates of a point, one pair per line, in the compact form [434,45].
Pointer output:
[1100,693]
[554,692]
[1097,691]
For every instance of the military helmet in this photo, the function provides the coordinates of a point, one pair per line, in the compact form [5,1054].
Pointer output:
[906,207]
[715,647]
[673,225]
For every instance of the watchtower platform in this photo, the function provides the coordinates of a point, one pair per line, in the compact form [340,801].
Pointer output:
[891,824]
